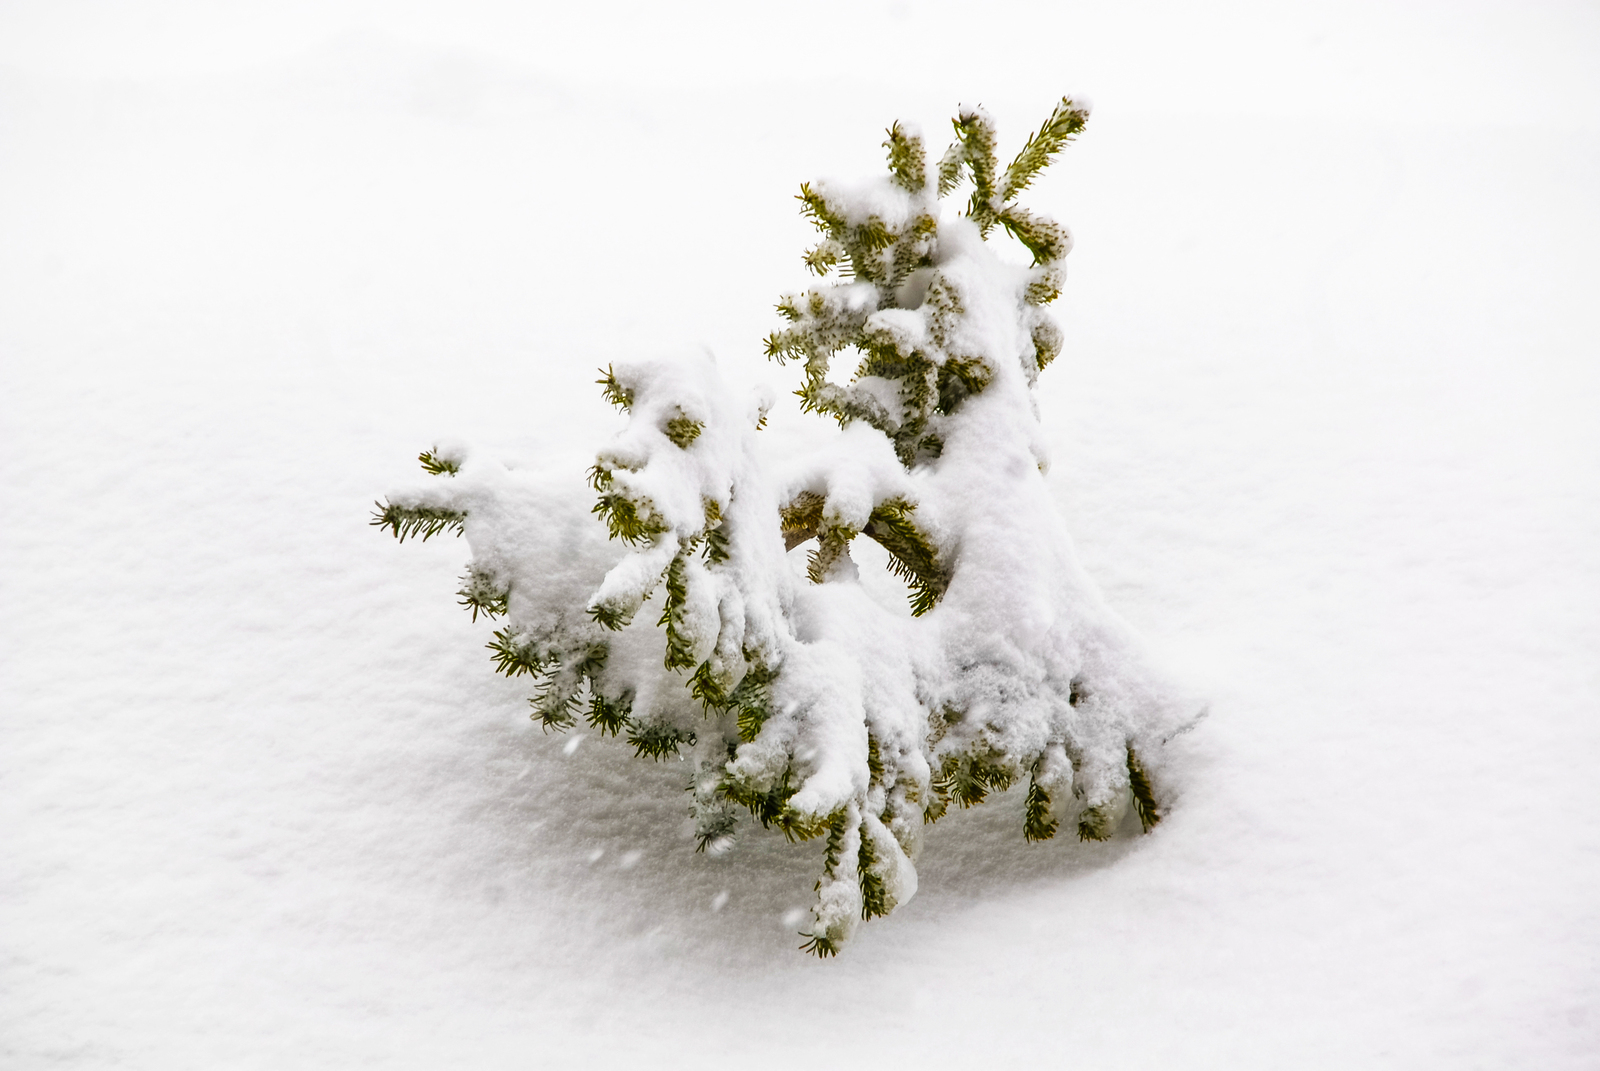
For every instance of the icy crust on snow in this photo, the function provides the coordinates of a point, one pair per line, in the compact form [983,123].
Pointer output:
[811,706]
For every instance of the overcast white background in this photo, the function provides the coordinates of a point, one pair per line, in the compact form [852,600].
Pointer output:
[1324,429]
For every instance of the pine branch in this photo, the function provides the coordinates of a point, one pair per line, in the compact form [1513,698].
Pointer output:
[435,465]
[680,647]
[555,705]
[610,618]
[658,739]
[422,522]
[610,718]
[771,807]
[960,378]
[682,431]
[751,700]
[788,345]
[874,893]
[1037,822]
[614,391]
[1046,239]
[801,518]
[951,165]
[908,163]
[717,544]
[513,657]
[1094,824]
[1144,796]
[819,946]
[1047,343]
[629,520]
[975,131]
[833,545]
[1065,123]
[912,556]
[713,827]
[481,594]
[969,782]
[816,208]
[822,258]
[1044,286]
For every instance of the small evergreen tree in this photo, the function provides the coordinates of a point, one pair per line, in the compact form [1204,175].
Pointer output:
[809,707]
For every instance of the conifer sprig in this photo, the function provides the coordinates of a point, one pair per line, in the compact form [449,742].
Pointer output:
[680,646]
[481,593]
[969,779]
[874,893]
[1065,123]
[630,520]
[908,163]
[976,135]
[718,826]
[683,431]
[421,522]
[436,465]
[614,391]
[912,556]
[751,700]
[659,739]
[607,716]
[1037,822]
[819,946]
[515,655]
[1144,797]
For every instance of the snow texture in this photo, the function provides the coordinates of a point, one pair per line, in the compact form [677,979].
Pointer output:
[1322,426]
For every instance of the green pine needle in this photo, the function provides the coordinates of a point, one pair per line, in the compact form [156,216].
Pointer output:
[959,379]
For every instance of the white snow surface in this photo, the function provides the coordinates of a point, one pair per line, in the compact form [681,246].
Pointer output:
[1323,430]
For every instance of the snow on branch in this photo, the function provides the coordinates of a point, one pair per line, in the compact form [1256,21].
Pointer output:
[808,707]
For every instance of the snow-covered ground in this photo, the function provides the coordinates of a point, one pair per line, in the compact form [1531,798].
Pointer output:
[1325,428]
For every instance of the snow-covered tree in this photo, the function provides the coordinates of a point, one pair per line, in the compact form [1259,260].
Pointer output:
[676,623]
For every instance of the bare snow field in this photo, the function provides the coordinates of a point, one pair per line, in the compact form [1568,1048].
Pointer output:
[1326,428]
